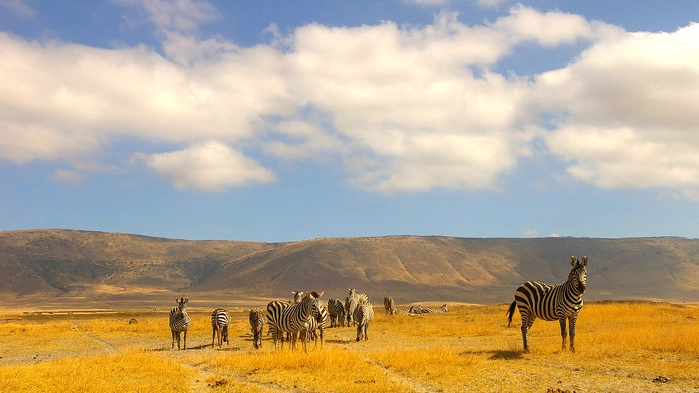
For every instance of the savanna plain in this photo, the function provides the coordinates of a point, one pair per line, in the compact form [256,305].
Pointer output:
[621,347]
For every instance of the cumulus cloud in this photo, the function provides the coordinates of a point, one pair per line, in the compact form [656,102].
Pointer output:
[405,108]
[628,118]
[211,167]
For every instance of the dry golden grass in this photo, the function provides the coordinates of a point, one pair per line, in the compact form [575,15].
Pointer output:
[621,346]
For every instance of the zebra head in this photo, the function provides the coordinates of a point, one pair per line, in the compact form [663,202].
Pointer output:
[578,275]
[298,295]
[313,299]
[181,308]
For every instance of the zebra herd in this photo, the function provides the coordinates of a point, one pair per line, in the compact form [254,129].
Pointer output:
[306,318]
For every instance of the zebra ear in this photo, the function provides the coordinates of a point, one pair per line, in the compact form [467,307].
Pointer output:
[584,261]
[572,261]
[186,300]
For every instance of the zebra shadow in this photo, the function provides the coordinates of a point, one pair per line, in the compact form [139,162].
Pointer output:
[497,354]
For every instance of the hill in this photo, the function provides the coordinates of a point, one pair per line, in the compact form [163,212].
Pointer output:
[80,269]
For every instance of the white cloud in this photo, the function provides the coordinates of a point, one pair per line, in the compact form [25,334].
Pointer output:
[531,233]
[211,167]
[19,7]
[175,15]
[406,108]
[628,106]
[550,28]
[67,177]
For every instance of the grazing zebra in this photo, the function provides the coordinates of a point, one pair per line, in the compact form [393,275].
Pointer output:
[179,322]
[337,312]
[257,322]
[219,324]
[275,310]
[298,317]
[363,315]
[389,305]
[552,302]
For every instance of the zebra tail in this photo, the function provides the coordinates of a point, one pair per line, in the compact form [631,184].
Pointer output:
[511,312]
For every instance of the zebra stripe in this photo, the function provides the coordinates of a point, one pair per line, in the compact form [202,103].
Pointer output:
[363,315]
[389,305]
[257,322]
[422,310]
[337,312]
[552,302]
[297,317]
[350,307]
[179,322]
[322,317]
[275,310]
[219,324]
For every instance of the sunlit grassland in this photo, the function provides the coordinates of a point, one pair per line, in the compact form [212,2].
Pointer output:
[621,346]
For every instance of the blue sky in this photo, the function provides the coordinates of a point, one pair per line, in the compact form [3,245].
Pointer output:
[289,120]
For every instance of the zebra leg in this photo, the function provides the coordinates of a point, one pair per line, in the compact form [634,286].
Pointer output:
[173,340]
[563,332]
[526,325]
[184,347]
[573,319]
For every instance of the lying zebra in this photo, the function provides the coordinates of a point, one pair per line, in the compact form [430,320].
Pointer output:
[422,310]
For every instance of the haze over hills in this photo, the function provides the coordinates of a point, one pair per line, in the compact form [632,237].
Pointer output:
[79,269]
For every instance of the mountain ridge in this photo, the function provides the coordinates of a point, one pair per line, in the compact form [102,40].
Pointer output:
[55,267]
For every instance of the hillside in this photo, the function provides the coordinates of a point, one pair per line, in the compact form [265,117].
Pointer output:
[68,269]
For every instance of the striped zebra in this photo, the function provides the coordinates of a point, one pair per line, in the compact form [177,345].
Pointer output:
[389,305]
[298,317]
[363,315]
[351,302]
[275,309]
[552,302]
[350,308]
[257,322]
[179,322]
[337,312]
[219,324]
[322,317]
[422,310]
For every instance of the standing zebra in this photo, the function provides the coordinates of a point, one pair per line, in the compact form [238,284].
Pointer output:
[552,302]
[337,312]
[322,317]
[350,307]
[389,305]
[219,324]
[275,310]
[179,322]
[298,317]
[257,322]
[363,315]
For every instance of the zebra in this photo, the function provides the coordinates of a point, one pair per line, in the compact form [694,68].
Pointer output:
[219,324]
[363,315]
[389,305]
[257,322]
[422,310]
[322,316]
[361,297]
[337,312]
[298,317]
[179,322]
[275,309]
[350,307]
[552,302]
[298,295]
